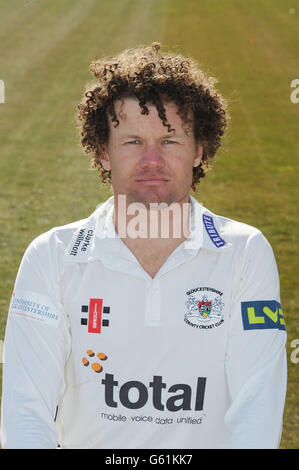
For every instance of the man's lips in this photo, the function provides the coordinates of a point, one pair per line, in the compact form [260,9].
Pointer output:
[151,179]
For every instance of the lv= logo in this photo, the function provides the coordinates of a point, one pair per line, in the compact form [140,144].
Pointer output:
[262,314]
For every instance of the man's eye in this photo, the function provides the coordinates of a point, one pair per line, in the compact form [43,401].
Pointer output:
[136,141]
[167,141]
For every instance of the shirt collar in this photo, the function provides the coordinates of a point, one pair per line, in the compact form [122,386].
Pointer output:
[205,227]
[206,232]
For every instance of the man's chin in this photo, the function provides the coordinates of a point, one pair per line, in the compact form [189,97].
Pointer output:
[152,197]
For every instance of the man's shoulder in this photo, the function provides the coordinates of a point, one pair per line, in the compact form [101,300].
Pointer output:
[236,228]
[47,250]
[59,235]
[63,236]
[71,239]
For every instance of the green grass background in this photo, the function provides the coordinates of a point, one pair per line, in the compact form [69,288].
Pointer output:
[251,46]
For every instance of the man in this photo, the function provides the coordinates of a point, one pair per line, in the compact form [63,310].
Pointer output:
[121,337]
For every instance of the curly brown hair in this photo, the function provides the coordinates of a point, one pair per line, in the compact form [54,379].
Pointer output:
[153,78]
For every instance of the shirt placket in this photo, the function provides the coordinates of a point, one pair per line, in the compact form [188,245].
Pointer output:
[153,302]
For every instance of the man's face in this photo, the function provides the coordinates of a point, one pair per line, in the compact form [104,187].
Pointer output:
[148,164]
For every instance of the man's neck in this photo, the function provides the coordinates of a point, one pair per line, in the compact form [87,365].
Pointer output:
[153,233]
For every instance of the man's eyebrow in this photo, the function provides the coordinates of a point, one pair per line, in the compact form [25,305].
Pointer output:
[170,134]
[136,136]
[130,136]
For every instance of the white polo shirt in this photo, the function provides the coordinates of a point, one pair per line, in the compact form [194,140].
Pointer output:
[98,354]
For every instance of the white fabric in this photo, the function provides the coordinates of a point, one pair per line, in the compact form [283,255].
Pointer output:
[179,372]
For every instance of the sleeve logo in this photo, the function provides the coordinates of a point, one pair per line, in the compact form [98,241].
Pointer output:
[34,306]
[262,315]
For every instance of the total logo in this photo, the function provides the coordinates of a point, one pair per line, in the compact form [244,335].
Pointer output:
[96,366]
[134,394]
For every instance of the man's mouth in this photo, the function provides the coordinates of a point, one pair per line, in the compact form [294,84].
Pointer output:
[152,180]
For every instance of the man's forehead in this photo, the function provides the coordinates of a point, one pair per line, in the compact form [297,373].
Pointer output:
[130,105]
[128,110]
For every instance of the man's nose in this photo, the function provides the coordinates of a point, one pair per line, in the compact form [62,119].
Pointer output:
[152,157]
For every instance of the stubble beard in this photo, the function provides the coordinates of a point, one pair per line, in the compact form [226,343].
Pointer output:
[152,209]
[153,196]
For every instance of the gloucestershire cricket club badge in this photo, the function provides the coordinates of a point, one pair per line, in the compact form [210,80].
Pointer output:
[204,308]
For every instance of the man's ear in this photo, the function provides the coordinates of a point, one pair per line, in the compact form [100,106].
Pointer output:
[105,161]
[198,156]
